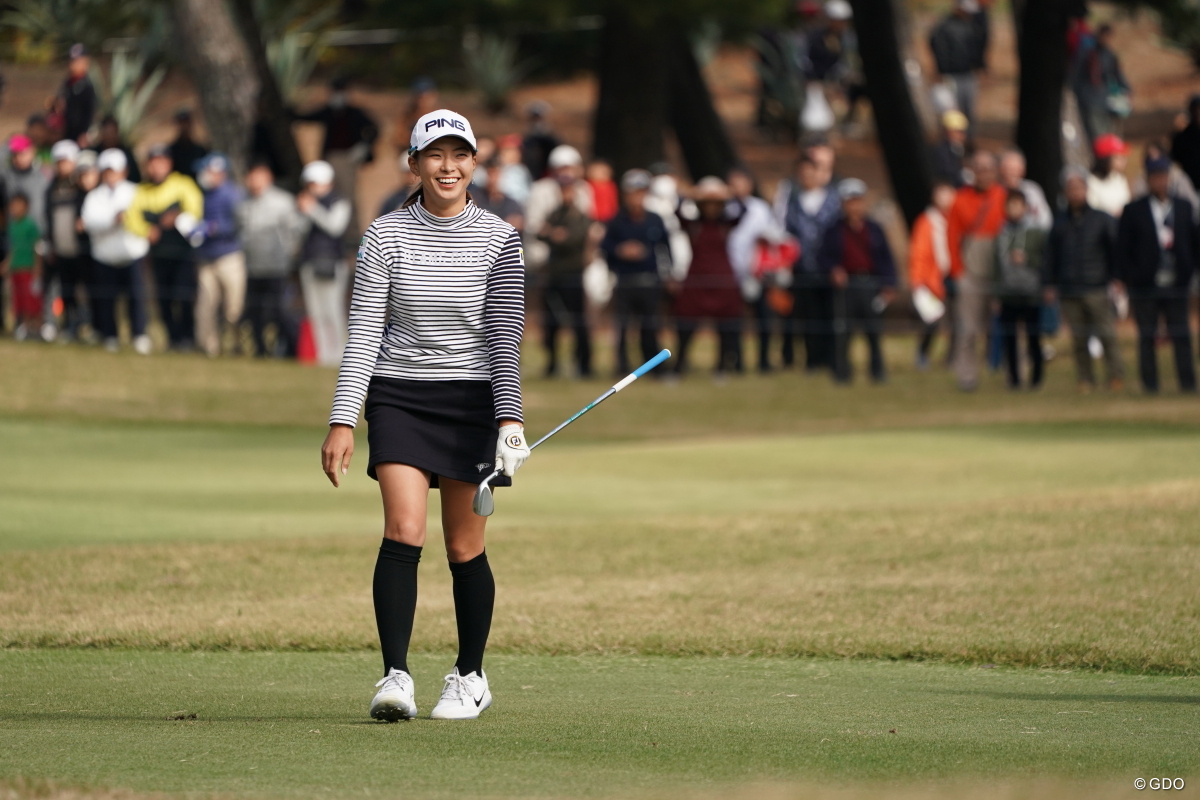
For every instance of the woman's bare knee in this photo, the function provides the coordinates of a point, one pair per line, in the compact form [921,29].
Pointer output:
[463,529]
[405,490]
[462,549]
[406,531]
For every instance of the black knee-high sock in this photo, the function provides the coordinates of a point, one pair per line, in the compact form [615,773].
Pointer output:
[395,592]
[474,596]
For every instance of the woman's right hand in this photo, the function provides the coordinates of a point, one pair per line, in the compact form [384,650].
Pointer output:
[336,452]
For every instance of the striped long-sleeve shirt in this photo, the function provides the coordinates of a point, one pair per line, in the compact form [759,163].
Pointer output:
[435,299]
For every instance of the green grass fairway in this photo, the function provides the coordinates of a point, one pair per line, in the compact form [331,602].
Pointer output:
[294,725]
[704,590]
[1059,545]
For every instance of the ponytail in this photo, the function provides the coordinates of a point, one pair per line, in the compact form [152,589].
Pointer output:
[414,197]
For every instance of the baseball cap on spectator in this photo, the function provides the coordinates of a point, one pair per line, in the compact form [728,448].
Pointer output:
[439,124]
[1158,164]
[955,120]
[1073,171]
[318,172]
[564,156]
[969,6]
[86,160]
[77,51]
[64,150]
[19,143]
[636,180]
[213,161]
[711,188]
[839,10]
[158,151]
[1109,145]
[113,159]
[851,188]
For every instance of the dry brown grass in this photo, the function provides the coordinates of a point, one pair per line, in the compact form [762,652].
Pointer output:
[78,383]
[1086,580]
[1063,545]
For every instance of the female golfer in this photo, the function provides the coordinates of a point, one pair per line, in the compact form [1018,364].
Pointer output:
[435,326]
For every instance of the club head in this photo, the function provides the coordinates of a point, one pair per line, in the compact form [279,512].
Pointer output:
[483,504]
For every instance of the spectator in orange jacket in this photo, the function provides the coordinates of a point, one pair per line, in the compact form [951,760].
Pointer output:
[929,263]
[975,218]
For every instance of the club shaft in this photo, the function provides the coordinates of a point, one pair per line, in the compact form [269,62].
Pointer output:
[618,386]
[576,416]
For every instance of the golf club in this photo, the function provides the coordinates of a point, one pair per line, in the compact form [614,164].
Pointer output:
[483,504]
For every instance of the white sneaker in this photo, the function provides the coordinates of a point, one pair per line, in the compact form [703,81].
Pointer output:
[142,345]
[395,699]
[464,697]
[49,332]
[112,344]
[21,333]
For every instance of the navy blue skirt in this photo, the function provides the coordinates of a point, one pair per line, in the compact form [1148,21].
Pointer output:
[447,428]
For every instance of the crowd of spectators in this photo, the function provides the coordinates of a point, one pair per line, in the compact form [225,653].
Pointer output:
[231,265]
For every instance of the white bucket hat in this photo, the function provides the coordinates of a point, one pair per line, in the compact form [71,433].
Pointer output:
[112,159]
[64,150]
[318,172]
[564,156]
[839,10]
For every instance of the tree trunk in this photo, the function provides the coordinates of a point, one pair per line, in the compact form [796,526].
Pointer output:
[701,134]
[631,111]
[898,127]
[1043,58]
[273,113]
[223,71]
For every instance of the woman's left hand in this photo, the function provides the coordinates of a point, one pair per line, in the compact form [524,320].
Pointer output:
[336,452]
[511,448]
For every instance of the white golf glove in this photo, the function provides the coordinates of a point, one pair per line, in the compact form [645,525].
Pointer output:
[511,449]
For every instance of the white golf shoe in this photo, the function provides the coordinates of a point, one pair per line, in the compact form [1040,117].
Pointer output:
[395,699]
[464,696]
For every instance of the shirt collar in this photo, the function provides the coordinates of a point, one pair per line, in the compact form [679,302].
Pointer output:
[468,215]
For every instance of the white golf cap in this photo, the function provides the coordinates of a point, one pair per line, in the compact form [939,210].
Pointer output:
[838,9]
[64,150]
[318,172]
[437,124]
[564,156]
[113,159]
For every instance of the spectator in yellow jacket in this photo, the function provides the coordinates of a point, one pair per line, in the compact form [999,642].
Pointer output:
[167,210]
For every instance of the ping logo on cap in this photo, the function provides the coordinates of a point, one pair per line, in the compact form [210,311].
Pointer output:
[442,122]
[437,124]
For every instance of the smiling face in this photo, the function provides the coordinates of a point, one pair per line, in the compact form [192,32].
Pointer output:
[445,168]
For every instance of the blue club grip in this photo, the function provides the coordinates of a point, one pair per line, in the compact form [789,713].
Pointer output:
[662,356]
